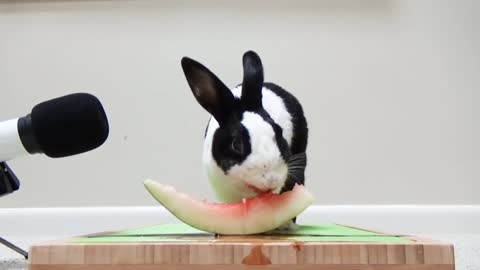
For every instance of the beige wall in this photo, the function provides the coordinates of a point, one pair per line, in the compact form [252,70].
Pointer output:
[390,88]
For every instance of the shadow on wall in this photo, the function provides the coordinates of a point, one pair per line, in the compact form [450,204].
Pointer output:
[324,8]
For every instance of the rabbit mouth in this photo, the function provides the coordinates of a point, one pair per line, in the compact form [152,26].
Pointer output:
[258,191]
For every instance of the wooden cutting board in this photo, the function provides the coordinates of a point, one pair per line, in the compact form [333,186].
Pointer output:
[179,247]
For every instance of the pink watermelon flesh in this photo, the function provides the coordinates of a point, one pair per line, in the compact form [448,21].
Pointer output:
[263,213]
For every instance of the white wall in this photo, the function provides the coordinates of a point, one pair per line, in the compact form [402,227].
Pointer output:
[390,88]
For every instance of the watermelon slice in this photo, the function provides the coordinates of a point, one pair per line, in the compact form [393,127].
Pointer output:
[263,213]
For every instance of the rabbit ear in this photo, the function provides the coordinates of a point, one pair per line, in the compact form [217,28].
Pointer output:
[209,91]
[252,81]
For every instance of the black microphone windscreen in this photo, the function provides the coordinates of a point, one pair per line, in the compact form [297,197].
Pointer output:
[69,125]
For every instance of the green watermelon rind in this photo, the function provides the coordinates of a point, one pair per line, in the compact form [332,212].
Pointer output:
[252,216]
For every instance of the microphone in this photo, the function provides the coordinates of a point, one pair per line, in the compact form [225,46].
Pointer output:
[61,127]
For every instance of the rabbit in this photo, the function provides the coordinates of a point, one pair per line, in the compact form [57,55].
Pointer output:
[256,140]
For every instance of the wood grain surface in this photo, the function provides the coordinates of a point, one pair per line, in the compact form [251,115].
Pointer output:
[235,253]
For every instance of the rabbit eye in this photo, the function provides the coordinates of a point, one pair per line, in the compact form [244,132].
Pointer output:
[237,145]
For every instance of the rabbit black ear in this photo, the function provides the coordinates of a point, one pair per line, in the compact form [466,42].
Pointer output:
[252,81]
[209,91]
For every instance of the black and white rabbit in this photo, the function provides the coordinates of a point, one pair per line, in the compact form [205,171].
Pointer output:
[257,138]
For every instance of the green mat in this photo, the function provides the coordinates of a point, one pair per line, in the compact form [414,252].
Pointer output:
[318,230]
[185,233]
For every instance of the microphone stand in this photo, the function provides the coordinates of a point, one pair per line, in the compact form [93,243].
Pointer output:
[8,184]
